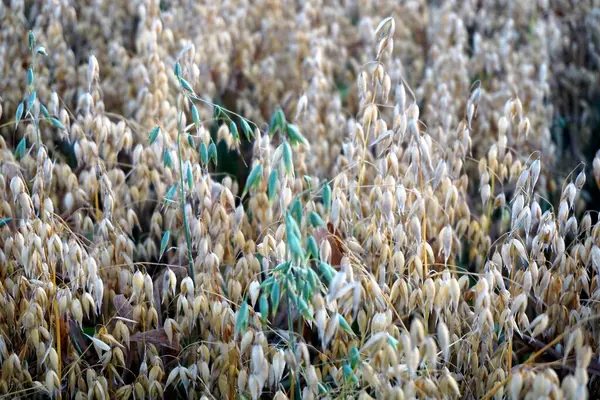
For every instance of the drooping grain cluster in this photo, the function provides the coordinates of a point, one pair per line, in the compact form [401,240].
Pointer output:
[403,227]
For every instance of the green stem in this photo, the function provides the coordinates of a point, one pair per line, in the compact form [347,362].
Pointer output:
[188,237]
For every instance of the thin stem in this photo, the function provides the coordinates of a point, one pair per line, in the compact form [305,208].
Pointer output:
[57,328]
[188,237]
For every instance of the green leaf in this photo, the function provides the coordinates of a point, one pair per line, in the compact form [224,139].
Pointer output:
[349,374]
[296,247]
[288,162]
[30,77]
[312,247]
[19,114]
[195,115]
[344,324]
[190,178]
[164,242]
[154,134]
[291,227]
[295,136]
[263,303]
[218,112]
[277,122]
[275,297]
[354,357]
[31,100]
[20,150]
[315,219]
[283,267]
[296,211]
[57,123]
[392,341]
[234,131]
[171,193]
[185,85]
[303,307]
[190,140]
[4,221]
[327,271]
[177,69]
[327,198]
[203,153]
[241,322]
[44,110]
[308,181]
[313,279]
[267,283]
[272,186]
[246,128]
[167,160]
[212,153]
[253,178]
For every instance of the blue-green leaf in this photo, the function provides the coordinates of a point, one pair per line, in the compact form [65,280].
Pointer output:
[315,219]
[30,77]
[31,100]
[264,307]
[167,160]
[203,153]
[21,147]
[308,181]
[296,211]
[190,140]
[212,153]
[295,247]
[171,194]
[283,267]
[275,294]
[345,325]
[44,110]
[267,283]
[154,134]
[327,271]
[354,357]
[164,242]
[57,123]
[253,178]
[241,322]
[312,278]
[4,221]
[392,341]
[291,226]
[177,69]
[348,374]
[195,115]
[295,136]
[277,122]
[312,247]
[246,129]
[272,186]
[218,112]
[41,50]
[185,85]
[327,197]
[303,307]
[234,131]
[189,177]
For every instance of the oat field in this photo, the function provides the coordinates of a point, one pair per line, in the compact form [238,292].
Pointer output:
[310,199]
